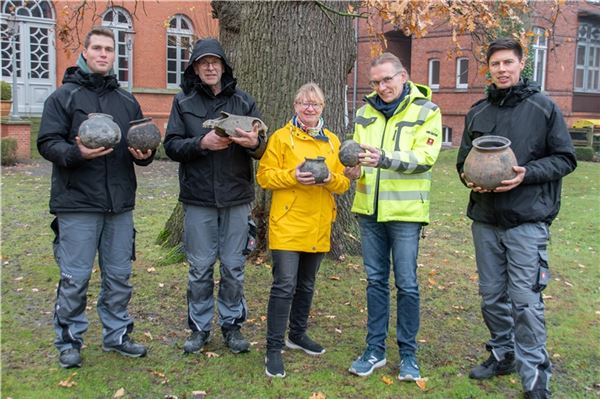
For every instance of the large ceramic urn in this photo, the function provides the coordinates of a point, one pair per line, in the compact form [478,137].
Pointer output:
[317,167]
[226,124]
[99,130]
[143,135]
[489,162]
[349,151]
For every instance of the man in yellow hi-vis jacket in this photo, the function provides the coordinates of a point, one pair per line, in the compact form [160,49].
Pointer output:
[400,130]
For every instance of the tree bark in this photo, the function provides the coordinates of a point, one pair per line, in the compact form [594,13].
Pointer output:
[274,48]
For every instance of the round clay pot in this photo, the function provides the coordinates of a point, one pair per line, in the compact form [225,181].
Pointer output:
[99,130]
[489,162]
[317,167]
[349,151]
[143,135]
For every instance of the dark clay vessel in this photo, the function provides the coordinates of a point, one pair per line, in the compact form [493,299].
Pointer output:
[349,151]
[225,125]
[99,130]
[317,167]
[143,135]
[489,162]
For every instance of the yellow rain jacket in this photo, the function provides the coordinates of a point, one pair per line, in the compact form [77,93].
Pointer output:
[301,215]
[411,140]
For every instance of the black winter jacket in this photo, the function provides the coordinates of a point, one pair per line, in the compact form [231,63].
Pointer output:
[210,178]
[541,143]
[103,184]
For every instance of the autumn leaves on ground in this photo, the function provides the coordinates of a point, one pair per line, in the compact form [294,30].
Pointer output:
[451,338]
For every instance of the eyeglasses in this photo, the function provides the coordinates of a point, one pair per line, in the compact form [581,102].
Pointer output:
[386,81]
[316,107]
[207,64]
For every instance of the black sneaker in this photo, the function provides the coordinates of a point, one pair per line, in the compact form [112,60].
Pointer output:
[127,348]
[235,340]
[69,358]
[492,367]
[304,343]
[538,394]
[196,341]
[274,364]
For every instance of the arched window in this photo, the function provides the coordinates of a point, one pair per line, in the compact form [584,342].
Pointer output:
[119,21]
[29,8]
[540,48]
[180,35]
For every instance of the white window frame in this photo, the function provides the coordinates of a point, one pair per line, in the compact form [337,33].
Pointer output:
[459,73]
[123,32]
[540,51]
[446,136]
[434,86]
[179,34]
[588,42]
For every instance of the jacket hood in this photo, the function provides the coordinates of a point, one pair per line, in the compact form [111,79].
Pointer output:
[93,81]
[204,47]
[513,95]
[416,91]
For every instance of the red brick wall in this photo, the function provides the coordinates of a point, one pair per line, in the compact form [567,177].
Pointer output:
[21,132]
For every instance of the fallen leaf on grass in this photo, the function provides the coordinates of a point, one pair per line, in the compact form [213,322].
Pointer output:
[330,316]
[161,285]
[474,277]
[431,282]
[198,394]
[147,334]
[568,284]
[119,394]
[422,341]
[211,355]
[387,380]
[421,383]
[171,397]
[19,278]
[35,290]
[337,330]
[151,269]
[68,383]
[317,395]
[336,278]
[512,381]
[263,318]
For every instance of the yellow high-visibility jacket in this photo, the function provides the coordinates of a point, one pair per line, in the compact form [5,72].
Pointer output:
[301,215]
[411,140]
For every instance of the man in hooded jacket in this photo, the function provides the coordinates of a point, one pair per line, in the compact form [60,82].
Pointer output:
[92,196]
[216,176]
[511,222]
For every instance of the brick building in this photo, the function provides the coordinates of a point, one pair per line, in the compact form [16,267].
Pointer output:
[152,45]
[152,50]
[568,69]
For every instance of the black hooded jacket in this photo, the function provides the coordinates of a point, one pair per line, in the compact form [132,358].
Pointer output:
[210,178]
[541,143]
[103,184]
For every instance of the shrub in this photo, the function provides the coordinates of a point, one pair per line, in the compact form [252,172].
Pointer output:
[9,151]
[584,153]
[5,91]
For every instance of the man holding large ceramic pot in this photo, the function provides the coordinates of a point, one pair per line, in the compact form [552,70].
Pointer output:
[511,221]
[92,196]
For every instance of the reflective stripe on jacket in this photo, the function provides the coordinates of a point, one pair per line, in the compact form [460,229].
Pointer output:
[411,139]
[301,215]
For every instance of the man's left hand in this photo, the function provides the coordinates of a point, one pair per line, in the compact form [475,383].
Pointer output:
[507,185]
[370,157]
[139,155]
[246,139]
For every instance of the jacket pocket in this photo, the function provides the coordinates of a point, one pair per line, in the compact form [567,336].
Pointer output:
[282,203]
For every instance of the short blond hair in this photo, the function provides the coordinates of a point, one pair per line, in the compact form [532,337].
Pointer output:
[310,91]
[390,58]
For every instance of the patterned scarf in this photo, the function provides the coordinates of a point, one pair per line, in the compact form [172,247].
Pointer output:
[315,132]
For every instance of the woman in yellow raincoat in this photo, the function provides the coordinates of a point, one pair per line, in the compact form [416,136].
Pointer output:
[302,212]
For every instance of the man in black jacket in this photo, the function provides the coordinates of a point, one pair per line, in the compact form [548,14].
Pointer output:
[511,222]
[216,177]
[92,196]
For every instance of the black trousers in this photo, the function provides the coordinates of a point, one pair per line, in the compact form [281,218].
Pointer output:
[294,275]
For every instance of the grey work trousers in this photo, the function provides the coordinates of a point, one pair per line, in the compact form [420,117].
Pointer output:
[211,233]
[78,237]
[508,263]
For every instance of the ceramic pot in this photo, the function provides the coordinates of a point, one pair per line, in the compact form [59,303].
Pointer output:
[143,135]
[349,151]
[99,130]
[489,162]
[226,124]
[317,167]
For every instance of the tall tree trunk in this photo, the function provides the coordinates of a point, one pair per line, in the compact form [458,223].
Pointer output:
[275,47]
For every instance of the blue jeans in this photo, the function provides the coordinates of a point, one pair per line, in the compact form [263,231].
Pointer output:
[402,240]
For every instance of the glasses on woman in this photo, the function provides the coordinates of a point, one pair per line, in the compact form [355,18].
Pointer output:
[386,81]
[307,105]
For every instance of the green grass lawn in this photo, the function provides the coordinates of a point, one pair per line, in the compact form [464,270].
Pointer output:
[451,338]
